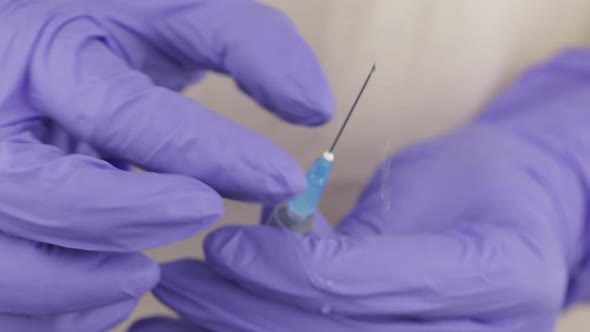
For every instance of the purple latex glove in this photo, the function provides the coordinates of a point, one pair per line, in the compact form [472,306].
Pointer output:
[84,82]
[481,230]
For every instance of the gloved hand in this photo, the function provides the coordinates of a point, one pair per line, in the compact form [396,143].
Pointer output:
[86,82]
[480,230]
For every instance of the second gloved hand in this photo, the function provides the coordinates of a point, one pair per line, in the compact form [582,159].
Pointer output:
[481,230]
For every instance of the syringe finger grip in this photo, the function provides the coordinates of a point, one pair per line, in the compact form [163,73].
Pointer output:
[281,217]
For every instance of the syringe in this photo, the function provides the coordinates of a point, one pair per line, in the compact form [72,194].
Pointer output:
[298,213]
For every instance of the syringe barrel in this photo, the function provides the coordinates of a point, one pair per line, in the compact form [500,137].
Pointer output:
[281,216]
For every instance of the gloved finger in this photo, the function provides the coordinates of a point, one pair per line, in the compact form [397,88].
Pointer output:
[202,297]
[160,324]
[47,280]
[80,202]
[50,132]
[468,271]
[256,45]
[96,319]
[103,102]
[190,288]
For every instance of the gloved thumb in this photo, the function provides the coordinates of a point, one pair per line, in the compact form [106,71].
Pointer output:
[478,270]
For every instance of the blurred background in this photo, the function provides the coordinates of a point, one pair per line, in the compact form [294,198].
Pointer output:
[438,62]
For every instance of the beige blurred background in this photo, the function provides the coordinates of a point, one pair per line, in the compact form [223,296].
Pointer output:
[438,62]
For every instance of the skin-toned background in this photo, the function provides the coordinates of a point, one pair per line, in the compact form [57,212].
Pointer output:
[438,62]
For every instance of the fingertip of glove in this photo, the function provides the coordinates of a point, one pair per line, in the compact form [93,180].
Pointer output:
[144,277]
[315,113]
[291,177]
[277,67]
[206,201]
[223,247]
[191,211]
[304,97]
[316,102]
[274,179]
[212,203]
[219,239]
